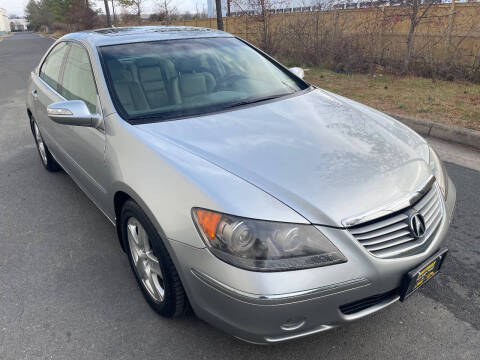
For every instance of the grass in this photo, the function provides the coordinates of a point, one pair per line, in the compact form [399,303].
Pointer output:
[452,103]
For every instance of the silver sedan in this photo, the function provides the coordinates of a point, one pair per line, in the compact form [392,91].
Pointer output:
[272,208]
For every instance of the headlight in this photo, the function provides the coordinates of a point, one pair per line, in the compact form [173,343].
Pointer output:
[438,171]
[261,245]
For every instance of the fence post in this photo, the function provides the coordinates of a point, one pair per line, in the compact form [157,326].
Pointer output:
[451,22]
[246,27]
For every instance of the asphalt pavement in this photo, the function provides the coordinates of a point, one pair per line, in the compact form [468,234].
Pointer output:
[67,292]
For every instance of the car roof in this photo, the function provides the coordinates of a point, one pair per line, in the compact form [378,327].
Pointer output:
[123,35]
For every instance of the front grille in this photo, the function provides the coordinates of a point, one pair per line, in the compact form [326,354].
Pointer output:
[359,305]
[391,236]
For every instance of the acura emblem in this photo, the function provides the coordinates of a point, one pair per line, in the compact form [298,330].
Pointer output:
[417,224]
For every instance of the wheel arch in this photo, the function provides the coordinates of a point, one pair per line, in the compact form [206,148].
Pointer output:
[122,194]
[30,118]
[119,199]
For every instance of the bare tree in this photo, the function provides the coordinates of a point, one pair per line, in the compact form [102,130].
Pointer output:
[136,5]
[113,10]
[270,32]
[107,12]
[167,9]
[416,11]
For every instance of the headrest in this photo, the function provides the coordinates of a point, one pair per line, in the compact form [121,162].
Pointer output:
[147,62]
[188,65]
[192,84]
[164,64]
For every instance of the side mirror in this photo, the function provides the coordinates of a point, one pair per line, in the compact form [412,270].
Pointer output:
[73,112]
[298,71]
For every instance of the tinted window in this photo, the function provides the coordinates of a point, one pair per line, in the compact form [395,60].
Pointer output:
[78,82]
[50,70]
[167,79]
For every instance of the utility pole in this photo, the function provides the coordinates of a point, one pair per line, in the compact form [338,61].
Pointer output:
[107,11]
[218,5]
[228,7]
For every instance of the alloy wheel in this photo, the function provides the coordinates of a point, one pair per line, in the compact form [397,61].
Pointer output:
[40,144]
[146,263]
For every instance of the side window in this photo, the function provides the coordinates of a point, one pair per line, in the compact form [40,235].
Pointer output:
[78,82]
[50,70]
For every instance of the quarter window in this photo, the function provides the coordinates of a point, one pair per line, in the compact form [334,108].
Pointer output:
[50,70]
[78,82]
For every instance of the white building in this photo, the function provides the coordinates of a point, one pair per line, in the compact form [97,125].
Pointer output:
[4,23]
[18,24]
[240,7]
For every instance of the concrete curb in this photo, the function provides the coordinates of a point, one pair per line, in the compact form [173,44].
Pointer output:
[440,131]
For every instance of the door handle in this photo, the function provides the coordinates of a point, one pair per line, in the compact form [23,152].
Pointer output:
[34,94]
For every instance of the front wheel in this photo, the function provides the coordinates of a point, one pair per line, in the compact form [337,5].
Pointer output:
[47,159]
[153,267]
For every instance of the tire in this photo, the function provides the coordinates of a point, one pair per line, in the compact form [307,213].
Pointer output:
[45,156]
[172,302]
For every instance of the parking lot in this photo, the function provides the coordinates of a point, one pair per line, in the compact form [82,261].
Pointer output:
[67,292]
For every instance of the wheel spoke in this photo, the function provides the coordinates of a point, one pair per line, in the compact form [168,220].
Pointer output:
[158,291]
[132,230]
[146,263]
[154,264]
[143,239]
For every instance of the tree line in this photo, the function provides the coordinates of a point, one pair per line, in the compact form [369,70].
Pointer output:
[74,15]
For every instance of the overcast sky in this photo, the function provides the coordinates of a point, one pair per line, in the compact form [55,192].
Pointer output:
[17,6]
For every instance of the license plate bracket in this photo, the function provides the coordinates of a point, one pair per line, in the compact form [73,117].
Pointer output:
[423,273]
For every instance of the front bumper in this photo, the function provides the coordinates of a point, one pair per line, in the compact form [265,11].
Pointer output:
[272,307]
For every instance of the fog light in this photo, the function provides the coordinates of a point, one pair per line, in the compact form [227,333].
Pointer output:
[293,323]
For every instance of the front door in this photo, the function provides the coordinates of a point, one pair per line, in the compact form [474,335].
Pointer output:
[83,146]
[45,90]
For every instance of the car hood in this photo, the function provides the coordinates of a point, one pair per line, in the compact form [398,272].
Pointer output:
[326,157]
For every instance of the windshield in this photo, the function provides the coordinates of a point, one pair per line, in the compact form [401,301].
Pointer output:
[166,79]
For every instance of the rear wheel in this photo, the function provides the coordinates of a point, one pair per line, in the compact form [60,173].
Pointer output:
[47,159]
[153,267]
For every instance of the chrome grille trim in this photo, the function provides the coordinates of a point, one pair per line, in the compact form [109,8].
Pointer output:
[392,207]
[391,236]
[382,239]
[379,224]
[383,231]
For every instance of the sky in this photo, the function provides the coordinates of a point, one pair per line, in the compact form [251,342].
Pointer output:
[17,6]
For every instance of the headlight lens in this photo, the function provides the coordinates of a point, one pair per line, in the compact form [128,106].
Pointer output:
[438,171]
[260,245]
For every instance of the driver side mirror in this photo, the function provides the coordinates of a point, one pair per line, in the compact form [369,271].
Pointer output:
[73,112]
[298,71]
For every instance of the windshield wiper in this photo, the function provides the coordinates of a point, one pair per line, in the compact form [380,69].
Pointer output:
[163,117]
[256,100]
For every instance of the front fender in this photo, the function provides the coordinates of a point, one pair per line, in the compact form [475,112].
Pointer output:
[167,182]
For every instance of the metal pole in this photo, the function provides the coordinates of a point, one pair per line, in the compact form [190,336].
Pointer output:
[218,5]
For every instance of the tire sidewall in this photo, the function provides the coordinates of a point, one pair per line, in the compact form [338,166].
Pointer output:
[51,164]
[131,209]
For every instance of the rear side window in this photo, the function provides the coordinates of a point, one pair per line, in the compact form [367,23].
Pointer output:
[50,71]
[78,82]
